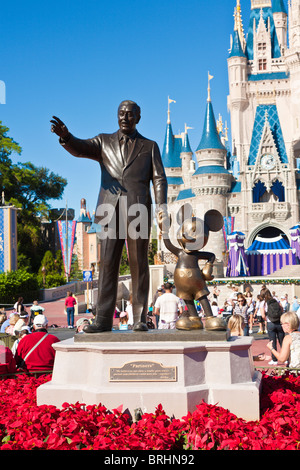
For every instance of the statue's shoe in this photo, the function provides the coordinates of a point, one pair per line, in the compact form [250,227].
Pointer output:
[184,323]
[196,323]
[94,328]
[140,326]
[189,323]
[215,324]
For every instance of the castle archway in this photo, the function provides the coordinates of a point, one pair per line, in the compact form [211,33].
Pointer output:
[267,231]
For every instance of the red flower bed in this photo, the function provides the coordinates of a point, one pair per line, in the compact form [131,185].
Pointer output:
[24,425]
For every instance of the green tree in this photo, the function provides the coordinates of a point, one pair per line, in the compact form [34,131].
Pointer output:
[124,265]
[48,275]
[152,251]
[29,188]
[47,263]
[75,273]
[59,263]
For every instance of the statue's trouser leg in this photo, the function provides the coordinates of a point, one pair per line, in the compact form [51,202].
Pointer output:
[191,309]
[205,304]
[139,269]
[110,256]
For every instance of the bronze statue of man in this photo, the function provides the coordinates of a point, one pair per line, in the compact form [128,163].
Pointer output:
[129,164]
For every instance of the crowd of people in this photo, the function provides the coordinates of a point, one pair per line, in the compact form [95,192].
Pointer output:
[242,310]
[31,347]
[277,317]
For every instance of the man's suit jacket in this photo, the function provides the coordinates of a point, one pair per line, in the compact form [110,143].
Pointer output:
[131,179]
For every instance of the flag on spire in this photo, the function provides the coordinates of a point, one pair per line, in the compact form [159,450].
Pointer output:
[169,102]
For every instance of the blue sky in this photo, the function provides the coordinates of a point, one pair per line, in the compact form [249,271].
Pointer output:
[79,59]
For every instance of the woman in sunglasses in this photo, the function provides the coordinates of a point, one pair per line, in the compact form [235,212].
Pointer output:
[241,308]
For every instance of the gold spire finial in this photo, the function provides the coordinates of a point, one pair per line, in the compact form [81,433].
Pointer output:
[210,77]
[238,23]
[226,131]
[220,124]
[169,112]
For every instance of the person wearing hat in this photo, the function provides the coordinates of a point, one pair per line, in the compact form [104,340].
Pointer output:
[81,323]
[25,330]
[123,325]
[35,352]
[35,309]
[23,321]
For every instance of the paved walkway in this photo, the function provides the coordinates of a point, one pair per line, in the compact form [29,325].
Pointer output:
[55,312]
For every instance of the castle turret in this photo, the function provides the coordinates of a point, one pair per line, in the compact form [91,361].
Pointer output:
[210,150]
[280,20]
[171,159]
[187,162]
[212,181]
[237,74]
[292,59]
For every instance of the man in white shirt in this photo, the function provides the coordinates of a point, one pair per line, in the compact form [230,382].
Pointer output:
[169,307]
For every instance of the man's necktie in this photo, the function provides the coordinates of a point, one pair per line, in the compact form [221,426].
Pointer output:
[125,148]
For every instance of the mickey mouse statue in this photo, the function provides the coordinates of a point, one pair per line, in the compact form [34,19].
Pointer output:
[189,279]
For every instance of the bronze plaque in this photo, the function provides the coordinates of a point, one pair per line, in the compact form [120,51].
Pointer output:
[143,371]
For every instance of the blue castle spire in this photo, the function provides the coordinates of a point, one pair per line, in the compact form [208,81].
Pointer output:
[278,6]
[236,49]
[172,147]
[186,148]
[210,137]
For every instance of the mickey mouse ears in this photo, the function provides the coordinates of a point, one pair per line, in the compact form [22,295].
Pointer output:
[214,220]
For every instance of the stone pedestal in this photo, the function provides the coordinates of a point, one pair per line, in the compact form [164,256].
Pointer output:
[142,370]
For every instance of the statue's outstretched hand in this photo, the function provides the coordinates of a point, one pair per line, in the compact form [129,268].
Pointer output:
[59,128]
[163,220]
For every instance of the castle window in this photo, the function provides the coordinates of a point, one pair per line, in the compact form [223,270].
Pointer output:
[278,190]
[260,194]
[262,46]
[258,191]
[262,64]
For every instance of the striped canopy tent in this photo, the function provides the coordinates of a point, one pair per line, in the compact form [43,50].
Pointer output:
[295,236]
[267,255]
[237,260]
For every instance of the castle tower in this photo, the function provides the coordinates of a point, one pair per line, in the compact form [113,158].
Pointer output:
[264,120]
[237,74]
[256,184]
[211,182]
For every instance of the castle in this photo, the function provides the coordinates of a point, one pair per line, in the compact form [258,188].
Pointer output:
[255,181]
